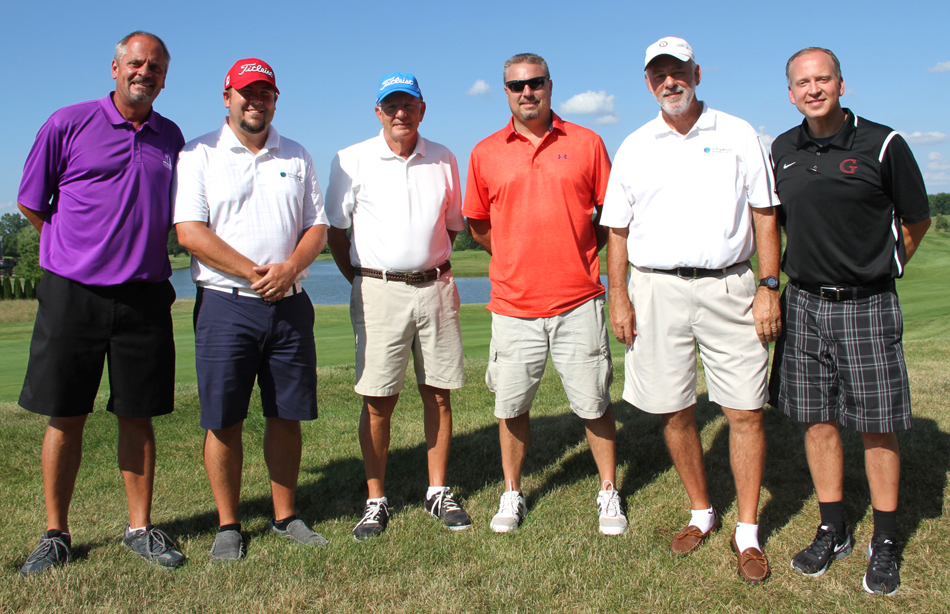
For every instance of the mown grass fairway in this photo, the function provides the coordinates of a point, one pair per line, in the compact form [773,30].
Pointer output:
[558,562]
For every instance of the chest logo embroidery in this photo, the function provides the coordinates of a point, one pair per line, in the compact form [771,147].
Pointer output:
[168,162]
[562,156]
[849,166]
[789,164]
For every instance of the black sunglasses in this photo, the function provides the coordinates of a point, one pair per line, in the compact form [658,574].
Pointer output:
[518,86]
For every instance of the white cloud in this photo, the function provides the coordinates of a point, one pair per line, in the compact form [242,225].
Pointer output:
[603,120]
[848,92]
[938,178]
[940,67]
[924,138]
[938,162]
[589,103]
[480,88]
[8,207]
[765,138]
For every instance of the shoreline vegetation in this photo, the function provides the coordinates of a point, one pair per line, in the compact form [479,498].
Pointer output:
[557,563]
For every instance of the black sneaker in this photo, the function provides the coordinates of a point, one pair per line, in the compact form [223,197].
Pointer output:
[827,546]
[443,506]
[153,544]
[54,550]
[883,576]
[374,520]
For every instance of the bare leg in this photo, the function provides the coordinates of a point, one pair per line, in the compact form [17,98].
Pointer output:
[882,462]
[374,440]
[513,435]
[438,426]
[825,460]
[62,453]
[686,450]
[747,457]
[224,460]
[602,439]
[282,448]
[137,464]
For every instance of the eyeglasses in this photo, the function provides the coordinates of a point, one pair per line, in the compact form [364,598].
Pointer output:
[518,86]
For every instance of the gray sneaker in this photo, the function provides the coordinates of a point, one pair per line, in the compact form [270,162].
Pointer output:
[154,545]
[53,550]
[510,512]
[228,546]
[298,531]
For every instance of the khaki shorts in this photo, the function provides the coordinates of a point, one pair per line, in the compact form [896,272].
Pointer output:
[673,316]
[579,348]
[392,319]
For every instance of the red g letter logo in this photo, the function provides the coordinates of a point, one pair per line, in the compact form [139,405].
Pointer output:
[848,166]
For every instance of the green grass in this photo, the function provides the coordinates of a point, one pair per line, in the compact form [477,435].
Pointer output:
[556,563]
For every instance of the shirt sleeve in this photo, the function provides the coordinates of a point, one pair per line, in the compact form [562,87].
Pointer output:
[190,201]
[341,196]
[43,168]
[903,183]
[453,216]
[759,181]
[313,209]
[601,171]
[618,198]
[477,202]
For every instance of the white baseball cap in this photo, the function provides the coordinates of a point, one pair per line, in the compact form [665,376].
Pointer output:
[670,45]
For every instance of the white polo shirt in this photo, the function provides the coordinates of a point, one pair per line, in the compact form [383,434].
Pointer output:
[258,204]
[400,209]
[686,198]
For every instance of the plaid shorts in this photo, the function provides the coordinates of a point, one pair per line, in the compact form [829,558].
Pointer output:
[842,361]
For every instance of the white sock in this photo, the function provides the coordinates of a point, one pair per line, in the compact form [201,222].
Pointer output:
[703,519]
[131,530]
[382,499]
[747,536]
[434,490]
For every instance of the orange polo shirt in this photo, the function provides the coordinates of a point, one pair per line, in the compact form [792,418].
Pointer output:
[540,202]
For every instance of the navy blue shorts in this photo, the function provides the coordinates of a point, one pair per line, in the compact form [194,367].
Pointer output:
[240,338]
[842,361]
[77,326]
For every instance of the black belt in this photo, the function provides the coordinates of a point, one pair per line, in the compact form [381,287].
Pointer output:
[688,272]
[844,293]
[412,278]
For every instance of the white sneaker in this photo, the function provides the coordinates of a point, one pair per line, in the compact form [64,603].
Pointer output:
[612,519]
[510,512]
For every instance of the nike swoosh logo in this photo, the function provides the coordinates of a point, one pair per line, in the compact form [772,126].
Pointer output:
[789,164]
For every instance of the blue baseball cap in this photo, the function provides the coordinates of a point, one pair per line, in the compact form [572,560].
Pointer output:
[398,82]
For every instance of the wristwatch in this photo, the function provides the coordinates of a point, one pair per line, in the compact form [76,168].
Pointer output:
[770,282]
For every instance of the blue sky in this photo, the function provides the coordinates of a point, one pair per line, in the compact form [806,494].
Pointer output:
[329,56]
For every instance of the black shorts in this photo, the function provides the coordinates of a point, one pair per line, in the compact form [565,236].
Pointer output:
[78,326]
[842,361]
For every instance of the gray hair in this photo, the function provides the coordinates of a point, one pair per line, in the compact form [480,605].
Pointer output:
[828,52]
[525,58]
[122,47]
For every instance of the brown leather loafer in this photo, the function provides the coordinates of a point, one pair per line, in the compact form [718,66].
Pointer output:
[753,566]
[691,538]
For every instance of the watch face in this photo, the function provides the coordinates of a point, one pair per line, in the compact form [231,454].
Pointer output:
[769,282]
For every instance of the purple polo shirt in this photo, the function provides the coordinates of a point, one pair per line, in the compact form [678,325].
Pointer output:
[106,191]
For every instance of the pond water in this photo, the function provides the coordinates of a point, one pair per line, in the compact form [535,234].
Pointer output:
[327,286]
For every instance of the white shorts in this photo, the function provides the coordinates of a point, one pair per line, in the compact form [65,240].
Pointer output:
[391,319]
[579,348]
[674,315]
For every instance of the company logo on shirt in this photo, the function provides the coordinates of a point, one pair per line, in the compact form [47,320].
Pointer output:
[718,150]
[849,166]
[292,176]
[255,68]
[168,161]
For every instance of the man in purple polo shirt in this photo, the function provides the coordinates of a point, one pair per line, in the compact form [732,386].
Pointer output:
[96,186]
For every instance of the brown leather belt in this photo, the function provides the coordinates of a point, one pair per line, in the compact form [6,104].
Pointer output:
[412,278]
